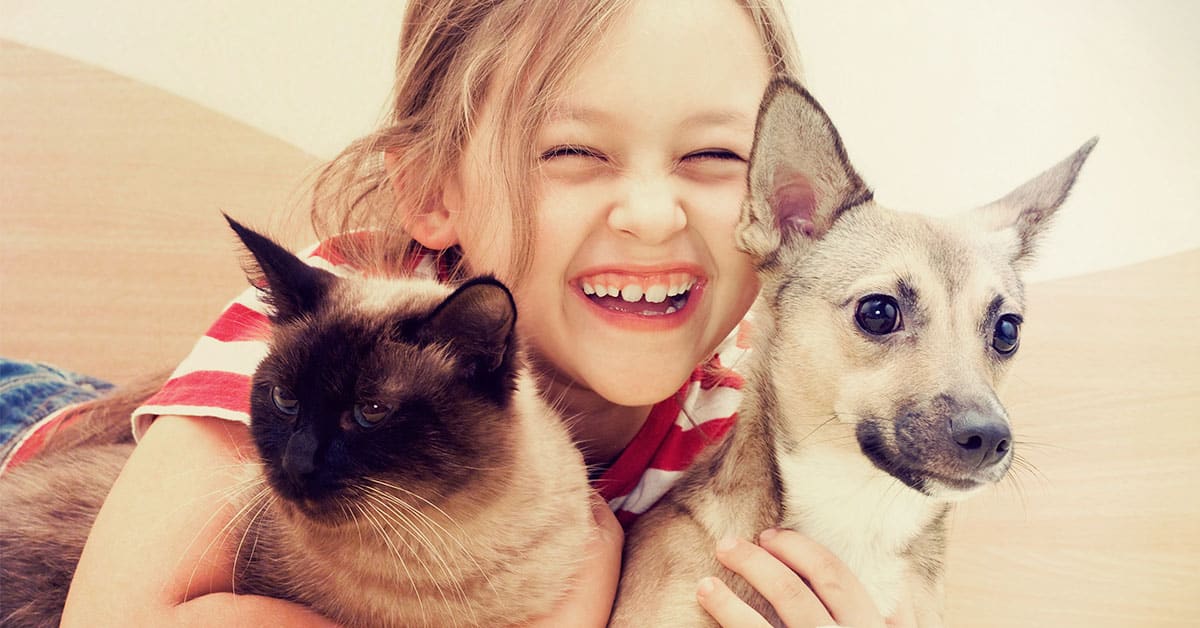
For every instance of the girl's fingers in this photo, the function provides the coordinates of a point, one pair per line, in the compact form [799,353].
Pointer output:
[791,598]
[840,591]
[727,608]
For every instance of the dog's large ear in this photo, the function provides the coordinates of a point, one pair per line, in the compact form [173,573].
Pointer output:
[291,287]
[1027,210]
[800,180]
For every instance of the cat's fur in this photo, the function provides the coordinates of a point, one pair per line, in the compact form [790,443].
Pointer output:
[411,475]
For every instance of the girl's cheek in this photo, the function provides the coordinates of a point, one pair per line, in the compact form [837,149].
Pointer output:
[569,209]
[719,206]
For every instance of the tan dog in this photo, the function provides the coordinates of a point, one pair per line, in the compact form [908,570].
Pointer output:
[870,405]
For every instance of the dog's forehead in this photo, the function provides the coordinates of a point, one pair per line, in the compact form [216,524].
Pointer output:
[873,244]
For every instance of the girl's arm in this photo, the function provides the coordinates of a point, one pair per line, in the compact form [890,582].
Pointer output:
[158,553]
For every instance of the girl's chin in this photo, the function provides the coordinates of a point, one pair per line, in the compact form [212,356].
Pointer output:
[613,378]
[637,387]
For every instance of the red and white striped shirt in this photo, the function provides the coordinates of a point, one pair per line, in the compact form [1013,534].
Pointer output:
[214,380]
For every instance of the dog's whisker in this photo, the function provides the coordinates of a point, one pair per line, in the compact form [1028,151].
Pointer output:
[1039,445]
[1022,464]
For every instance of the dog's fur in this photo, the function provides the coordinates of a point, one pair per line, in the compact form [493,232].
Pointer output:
[859,440]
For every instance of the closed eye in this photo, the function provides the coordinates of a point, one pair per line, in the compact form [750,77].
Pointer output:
[570,150]
[717,166]
[714,153]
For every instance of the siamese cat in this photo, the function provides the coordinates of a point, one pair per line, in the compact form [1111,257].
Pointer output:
[410,475]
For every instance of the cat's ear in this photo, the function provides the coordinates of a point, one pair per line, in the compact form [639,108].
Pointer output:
[477,322]
[1023,214]
[291,287]
[800,180]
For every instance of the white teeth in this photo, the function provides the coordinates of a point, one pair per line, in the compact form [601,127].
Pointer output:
[656,294]
[634,292]
[671,310]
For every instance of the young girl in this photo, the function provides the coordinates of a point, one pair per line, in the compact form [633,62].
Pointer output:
[593,156]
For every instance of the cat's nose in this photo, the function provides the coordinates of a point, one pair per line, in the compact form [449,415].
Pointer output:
[299,458]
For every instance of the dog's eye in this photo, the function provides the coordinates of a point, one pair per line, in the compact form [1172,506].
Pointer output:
[878,314]
[1007,334]
[285,401]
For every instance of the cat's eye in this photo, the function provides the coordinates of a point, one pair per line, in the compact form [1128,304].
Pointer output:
[370,414]
[284,401]
[1007,334]
[878,315]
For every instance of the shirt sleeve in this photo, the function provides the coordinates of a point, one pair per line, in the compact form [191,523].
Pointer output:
[214,379]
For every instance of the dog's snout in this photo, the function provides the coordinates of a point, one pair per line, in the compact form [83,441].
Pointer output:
[982,439]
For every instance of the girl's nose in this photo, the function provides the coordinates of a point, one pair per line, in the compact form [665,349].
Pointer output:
[649,210]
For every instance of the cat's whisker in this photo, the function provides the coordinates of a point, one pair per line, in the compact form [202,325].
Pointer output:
[231,495]
[441,534]
[225,493]
[221,534]
[347,507]
[456,539]
[389,502]
[397,487]
[401,563]
[448,518]
[244,471]
[266,505]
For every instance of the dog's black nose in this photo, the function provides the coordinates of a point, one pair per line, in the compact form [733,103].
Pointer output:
[983,439]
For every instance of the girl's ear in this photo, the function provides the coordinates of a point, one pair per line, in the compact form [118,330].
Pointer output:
[433,225]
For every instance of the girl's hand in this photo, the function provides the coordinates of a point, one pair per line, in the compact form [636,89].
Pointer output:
[805,583]
[591,598]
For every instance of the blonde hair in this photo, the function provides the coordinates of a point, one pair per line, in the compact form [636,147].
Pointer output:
[453,54]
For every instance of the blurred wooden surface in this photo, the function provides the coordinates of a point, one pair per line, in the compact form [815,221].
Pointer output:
[114,258]
[1100,526]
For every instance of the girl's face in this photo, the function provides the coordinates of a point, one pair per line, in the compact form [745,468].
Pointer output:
[634,277]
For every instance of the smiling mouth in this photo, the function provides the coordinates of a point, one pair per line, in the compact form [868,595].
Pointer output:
[659,296]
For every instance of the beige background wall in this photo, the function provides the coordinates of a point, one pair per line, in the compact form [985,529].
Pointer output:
[944,105]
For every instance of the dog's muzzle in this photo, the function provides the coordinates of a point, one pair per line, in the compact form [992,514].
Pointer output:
[942,444]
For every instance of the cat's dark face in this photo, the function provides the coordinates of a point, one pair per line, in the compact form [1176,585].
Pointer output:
[379,386]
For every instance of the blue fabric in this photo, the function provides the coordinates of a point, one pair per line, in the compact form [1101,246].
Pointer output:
[30,391]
